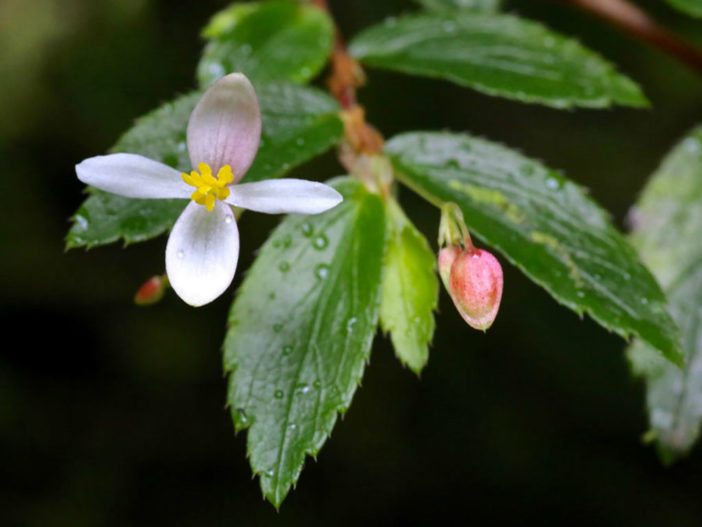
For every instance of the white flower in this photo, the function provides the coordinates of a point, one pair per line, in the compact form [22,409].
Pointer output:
[223,137]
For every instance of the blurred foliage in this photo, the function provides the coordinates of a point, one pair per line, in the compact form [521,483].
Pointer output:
[114,415]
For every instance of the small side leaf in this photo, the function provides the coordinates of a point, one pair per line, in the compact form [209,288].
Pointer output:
[690,7]
[544,224]
[455,5]
[410,290]
[667,225]
[299,123]
[499,55]
[300,333]
[268,41]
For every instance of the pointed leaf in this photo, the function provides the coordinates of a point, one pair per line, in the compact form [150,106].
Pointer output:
[298,124]
[410,290]
[268,41]
[498,55]
[667,226]
[300,333]
[544,224]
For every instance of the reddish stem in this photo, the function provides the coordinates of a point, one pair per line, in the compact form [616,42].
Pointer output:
[633,20]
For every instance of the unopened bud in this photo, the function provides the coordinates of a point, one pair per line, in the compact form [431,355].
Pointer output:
[151,291]
[475,284]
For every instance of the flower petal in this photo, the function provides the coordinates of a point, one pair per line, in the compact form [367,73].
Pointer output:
[293,196]
[132,176]
[202,253]
[225,127]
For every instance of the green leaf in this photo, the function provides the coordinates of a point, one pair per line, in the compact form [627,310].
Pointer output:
[268,41]
[410,290]
[544,224]
[667,226]
[299,123]
[691,7]
[498,55]
[454,5]
[300,333]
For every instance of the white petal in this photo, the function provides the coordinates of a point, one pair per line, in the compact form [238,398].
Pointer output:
[283,196]
[133,176]
[225,127]
[202,253]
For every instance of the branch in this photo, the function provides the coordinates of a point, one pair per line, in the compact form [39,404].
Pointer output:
[346,76]
[636,22]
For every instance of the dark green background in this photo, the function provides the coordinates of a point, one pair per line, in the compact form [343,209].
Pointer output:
[114,415]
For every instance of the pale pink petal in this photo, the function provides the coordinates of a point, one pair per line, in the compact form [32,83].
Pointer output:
[225,127]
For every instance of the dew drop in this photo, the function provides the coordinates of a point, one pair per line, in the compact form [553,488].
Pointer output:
[277,327]
[279,394]
[552,183]
[320,242]
[228,220]
[284,267]
[287,240]
[287,350]
[81,221]
[321,271]
[292,426]
[269,473]
[350,324]
[307,229]
[304,388]
[454,163]
[243,418]
[180,254]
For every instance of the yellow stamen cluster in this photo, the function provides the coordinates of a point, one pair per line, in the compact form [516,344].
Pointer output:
[209,188]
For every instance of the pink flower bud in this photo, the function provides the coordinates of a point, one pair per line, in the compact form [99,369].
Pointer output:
[475,283]
[151,291]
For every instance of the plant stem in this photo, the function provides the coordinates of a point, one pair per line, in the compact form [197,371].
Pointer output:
[633,20]
[346,76]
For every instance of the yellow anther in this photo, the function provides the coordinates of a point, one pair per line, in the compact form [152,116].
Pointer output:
[209,188]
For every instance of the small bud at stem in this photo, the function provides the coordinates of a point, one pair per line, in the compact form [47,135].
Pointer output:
[151,291]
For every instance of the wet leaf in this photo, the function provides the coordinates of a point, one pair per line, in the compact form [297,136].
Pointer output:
[498,55]
[268,41]
[300,332]
[410,290]
[544,224]
[667,225]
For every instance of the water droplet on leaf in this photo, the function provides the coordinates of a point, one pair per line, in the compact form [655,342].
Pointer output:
[321,271]
[320,242]
[284,267]
[307,229]
[279,394]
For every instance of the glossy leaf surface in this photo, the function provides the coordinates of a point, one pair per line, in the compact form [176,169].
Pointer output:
[544,224]
[667,231]
[499,55]
[410,290]
[300,333]
[267,41]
